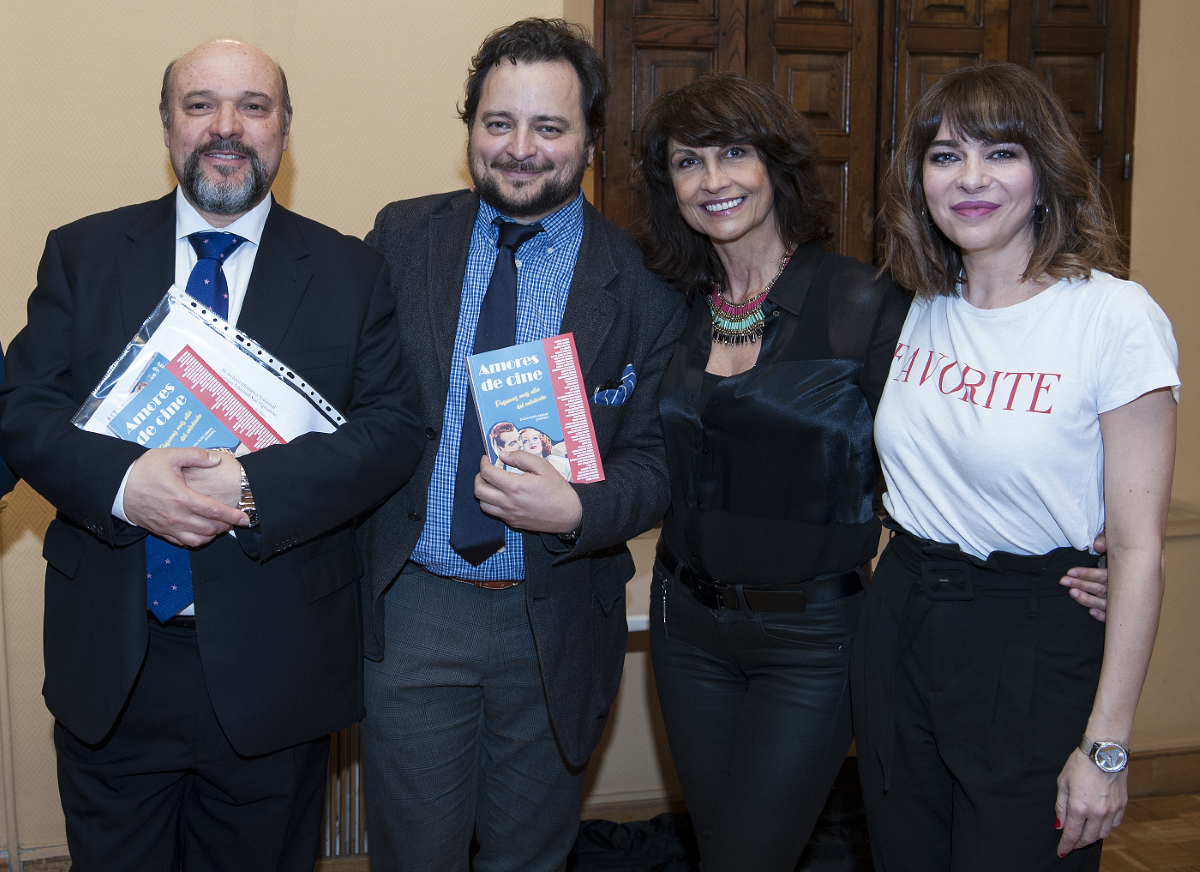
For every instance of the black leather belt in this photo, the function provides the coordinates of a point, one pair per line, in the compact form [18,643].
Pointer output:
[714,594]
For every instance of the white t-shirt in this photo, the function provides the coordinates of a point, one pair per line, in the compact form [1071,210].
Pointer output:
[989,428]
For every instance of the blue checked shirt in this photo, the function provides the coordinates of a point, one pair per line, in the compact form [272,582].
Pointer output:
[545,265]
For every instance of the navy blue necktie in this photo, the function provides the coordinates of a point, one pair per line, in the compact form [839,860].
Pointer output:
[474,535]
[169,569]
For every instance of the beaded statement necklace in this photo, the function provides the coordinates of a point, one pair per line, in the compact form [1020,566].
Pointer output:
[739,323]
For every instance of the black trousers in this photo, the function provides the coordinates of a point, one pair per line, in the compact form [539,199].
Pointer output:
[757,712]
[972,683]
[167,788]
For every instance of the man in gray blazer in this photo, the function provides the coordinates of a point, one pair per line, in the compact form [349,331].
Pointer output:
[490,672]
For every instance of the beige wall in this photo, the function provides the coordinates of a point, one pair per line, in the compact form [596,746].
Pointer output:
[1166,189]
[375,85]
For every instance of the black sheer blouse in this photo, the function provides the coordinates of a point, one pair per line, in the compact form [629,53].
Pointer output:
[773,470]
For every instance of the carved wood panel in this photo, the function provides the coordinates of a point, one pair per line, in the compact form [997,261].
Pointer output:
[818,85]
[1078,80]
[694,9]
[1069,12]
[814,10]
[958,12]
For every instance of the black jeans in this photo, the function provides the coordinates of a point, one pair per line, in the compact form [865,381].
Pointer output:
[967,703]
[757,711]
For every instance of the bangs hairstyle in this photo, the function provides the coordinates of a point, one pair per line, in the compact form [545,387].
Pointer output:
[542,40]
[724,109]
[998,103]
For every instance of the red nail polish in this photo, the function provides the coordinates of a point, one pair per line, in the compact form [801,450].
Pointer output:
[1061,856]
[1057,824]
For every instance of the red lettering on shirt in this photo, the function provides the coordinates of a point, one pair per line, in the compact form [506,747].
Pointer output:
[942,379]
[1016,384]
[969,387]
[971,379]
[928,362]
[906,370]
[1039,387]
[992,392]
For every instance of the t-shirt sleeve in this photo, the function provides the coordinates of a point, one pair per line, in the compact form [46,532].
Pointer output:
[1136,348]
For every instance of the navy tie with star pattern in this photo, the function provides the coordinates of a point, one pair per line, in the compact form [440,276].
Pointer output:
[169,569]
[474,535]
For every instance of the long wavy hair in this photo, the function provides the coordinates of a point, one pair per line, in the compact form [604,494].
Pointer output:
[724,109]
[1074,231]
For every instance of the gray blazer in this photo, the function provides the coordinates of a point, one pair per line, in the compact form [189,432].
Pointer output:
[620,314]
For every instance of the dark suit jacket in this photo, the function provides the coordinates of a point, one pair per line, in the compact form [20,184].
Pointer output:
[620,314]
[279,632]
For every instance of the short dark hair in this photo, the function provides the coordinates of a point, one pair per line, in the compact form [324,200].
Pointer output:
[998,103]
[537,40]
[164,110]
[724,109]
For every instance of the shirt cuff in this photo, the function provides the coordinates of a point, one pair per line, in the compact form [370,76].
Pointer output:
[118,506]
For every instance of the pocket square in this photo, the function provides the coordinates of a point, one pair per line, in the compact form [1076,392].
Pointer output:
[614,393]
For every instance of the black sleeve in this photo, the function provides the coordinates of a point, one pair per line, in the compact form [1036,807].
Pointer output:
[893,308]
[865,317]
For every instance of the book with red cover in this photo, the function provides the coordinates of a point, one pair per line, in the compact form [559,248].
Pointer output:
[531,397]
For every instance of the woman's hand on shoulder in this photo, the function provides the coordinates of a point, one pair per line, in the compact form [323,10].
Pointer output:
[1089,804]
[1089,585]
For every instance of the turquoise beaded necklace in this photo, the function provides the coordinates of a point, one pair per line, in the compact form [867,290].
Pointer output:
[739,323]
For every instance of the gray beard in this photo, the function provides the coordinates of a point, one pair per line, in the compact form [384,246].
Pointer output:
[555,193]
[234,198]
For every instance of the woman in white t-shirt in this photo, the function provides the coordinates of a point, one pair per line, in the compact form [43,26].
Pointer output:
[1031,403]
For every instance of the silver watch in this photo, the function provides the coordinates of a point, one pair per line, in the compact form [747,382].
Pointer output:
[246,501]
[1110,757]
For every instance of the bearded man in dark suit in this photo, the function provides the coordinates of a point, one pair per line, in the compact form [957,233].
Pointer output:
[492,668]
[197,735]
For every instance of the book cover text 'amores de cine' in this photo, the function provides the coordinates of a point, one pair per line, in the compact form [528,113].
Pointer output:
[530,397]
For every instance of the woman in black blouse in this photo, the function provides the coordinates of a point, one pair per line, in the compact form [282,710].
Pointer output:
[767,410]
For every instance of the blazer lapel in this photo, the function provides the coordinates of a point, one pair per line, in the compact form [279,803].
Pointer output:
[446,269]
[592,302]
[146,268]
[278,281]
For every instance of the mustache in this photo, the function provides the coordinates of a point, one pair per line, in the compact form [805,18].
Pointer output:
[521,166]
[233,145]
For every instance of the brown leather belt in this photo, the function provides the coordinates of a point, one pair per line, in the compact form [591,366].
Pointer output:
[486,585]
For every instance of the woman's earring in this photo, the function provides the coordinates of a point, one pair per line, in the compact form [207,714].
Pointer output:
[1040,211]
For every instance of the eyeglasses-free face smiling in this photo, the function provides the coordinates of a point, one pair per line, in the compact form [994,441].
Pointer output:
[981,195]
[723,191]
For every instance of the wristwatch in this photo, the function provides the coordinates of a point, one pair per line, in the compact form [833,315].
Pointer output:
[571,537]
[246,501]
[1110,757]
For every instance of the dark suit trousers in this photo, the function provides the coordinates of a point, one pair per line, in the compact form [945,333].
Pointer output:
[457,736]
[166,787]
[756,707]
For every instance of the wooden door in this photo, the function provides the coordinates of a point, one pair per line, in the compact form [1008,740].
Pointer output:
[856,67]
[650,47]
[1084,49]
[822,56]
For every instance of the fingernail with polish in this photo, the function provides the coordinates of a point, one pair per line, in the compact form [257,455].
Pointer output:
[1057,824]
